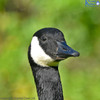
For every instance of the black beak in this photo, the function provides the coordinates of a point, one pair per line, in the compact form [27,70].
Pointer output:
[64,51]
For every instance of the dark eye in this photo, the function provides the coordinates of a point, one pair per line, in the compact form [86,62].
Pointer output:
[44,38]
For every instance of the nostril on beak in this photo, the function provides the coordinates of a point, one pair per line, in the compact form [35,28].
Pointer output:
[64,49]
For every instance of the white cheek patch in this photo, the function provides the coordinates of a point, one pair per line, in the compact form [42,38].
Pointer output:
[38,54]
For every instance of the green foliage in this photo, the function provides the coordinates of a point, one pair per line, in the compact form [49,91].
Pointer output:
[19,19]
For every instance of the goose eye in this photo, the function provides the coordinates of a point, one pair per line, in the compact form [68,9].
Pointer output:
[44,39]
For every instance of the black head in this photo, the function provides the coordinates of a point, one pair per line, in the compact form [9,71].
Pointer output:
[48,47]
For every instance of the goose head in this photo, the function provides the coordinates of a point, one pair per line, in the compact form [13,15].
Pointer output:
[48,47]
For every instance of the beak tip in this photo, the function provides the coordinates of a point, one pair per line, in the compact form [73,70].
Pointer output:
[76,54]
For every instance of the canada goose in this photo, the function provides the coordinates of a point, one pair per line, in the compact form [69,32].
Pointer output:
[47,48]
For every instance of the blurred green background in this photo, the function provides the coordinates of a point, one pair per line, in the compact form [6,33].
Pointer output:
[19,19]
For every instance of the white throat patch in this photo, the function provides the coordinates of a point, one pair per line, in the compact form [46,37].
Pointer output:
[38,54]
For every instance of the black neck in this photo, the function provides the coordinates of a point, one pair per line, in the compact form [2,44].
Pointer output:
[48,83]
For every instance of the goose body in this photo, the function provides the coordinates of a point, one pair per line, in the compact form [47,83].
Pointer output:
[48,47]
